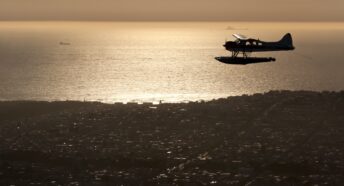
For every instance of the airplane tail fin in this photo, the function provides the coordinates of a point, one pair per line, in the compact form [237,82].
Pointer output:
[287,40]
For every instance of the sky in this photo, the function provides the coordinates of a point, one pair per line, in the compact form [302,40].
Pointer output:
[173,10]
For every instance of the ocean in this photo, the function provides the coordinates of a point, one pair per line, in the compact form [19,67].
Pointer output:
[161,61]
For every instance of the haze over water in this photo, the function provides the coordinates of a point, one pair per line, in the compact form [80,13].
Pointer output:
[172,62]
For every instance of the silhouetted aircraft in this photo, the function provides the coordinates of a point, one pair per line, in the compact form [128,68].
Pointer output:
[246,45]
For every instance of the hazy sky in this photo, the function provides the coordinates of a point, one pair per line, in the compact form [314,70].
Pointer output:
[173,10]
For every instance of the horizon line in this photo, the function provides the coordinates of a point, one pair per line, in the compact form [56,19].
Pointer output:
[76,20]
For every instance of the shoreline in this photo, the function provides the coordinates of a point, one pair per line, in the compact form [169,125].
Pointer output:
[176,102]
[276,138]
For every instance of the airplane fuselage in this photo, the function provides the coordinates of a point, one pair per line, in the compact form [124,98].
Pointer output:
[257,46]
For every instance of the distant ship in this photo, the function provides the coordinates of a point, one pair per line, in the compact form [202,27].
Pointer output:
[64,43]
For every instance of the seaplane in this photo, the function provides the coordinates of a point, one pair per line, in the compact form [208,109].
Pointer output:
[246,46]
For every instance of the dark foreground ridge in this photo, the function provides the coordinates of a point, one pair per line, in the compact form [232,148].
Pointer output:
[277,138]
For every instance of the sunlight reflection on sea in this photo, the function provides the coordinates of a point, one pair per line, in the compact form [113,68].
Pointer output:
[172,62]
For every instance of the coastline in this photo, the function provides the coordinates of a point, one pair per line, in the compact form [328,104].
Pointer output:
[276,138]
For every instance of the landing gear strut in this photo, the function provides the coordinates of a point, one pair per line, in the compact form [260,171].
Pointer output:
[236,53]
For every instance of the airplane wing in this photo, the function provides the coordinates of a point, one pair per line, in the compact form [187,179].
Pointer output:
[239,36]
